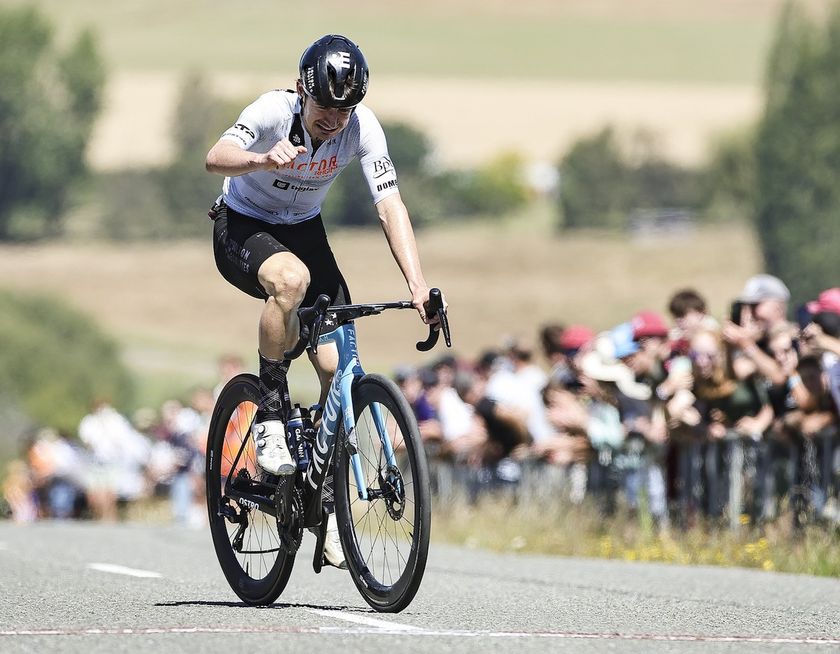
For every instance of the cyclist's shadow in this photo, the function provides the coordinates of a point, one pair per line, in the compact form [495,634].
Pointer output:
[275,606]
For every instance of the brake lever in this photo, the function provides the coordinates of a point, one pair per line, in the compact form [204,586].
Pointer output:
[443,321]
[305,317]
[435,305]
[317,326]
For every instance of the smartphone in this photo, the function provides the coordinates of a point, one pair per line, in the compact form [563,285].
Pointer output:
[735,311]
[803,316]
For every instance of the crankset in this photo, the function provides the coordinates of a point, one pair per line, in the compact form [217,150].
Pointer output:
[288,501]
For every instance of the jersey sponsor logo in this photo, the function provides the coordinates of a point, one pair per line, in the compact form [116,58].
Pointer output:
[318,168]
[382,167]
[285,186]
[238,137]
[386,185]
[246,129]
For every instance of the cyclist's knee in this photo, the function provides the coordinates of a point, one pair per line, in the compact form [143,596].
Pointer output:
[284,278]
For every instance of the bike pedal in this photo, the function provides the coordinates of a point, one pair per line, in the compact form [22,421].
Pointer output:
[320,539]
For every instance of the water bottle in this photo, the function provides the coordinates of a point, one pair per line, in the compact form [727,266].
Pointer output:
[294,429]
[305,444]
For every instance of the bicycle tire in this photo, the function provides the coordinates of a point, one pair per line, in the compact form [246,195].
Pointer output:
[368,560]
[259,574]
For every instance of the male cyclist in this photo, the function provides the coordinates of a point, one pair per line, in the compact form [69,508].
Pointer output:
[279,159]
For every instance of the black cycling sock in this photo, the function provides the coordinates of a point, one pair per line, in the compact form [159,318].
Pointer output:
[274,389]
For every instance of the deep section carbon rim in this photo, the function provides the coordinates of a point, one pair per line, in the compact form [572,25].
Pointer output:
[246,539]
[385,536]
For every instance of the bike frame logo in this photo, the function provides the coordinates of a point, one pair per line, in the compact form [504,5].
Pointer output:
[327,432]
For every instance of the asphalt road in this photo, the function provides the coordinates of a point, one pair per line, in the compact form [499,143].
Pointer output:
[127,588]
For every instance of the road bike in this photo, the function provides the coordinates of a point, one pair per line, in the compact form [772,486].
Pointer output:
[367,444]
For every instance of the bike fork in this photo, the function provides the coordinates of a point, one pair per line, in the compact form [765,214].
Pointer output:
[355,458]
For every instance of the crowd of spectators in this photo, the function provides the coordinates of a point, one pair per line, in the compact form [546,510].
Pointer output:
[731,420]
[114,462]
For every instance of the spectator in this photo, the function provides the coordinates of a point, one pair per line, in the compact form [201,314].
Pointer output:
[606,379]
[821,335]
[183,428]
[119,452]
[731,410]
[416,386]
[57,473]
[761,306]
[19,492]
[517,383]
[462,432]
[812,426]
[562,345]
[690,313]
[642,346]
[569,447]
[505,427]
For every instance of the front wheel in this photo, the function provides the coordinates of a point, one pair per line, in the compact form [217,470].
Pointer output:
[386,537]
[245,538]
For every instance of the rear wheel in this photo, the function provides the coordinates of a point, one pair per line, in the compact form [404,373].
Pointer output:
[245,538]
[386,537]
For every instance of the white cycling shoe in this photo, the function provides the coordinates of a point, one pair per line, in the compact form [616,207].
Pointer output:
[333,552]
[272,452]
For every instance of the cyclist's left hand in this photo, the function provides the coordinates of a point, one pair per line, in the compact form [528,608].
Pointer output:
[419,298]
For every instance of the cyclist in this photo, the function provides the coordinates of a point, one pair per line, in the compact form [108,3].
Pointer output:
[279,159]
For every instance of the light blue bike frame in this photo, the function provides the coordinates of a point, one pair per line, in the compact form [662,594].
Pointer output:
[339,406]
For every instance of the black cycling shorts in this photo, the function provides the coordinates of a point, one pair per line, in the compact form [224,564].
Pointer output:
[241,244]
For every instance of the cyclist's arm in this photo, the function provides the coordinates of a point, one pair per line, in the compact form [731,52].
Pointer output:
[228,158]
[393,216]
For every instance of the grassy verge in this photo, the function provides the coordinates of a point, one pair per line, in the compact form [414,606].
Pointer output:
[534,528]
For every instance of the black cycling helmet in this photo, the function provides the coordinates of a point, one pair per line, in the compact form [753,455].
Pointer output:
[334,72]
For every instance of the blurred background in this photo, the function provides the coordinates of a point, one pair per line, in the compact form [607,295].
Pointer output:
[564,162]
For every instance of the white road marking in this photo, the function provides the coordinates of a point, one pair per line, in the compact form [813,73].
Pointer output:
[122,570]
[370,622]
[416,631]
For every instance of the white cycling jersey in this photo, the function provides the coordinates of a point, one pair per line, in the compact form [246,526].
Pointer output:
[294,192]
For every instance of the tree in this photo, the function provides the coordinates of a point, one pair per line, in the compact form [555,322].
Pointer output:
[593,183]
[797,206]
[348,203]
[54,362]
[48,102]
[188,189]
[172,201]
[602,183]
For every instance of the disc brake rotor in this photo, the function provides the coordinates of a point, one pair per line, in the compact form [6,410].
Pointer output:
[393,491]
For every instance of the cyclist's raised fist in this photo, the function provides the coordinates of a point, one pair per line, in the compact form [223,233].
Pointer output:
[281,154]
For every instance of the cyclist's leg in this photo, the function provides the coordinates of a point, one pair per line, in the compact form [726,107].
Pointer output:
[253,256]
[316,255]
[285,279]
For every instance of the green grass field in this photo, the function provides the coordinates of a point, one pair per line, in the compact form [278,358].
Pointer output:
[676,41]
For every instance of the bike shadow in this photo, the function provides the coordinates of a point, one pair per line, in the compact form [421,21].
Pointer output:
[275,606]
